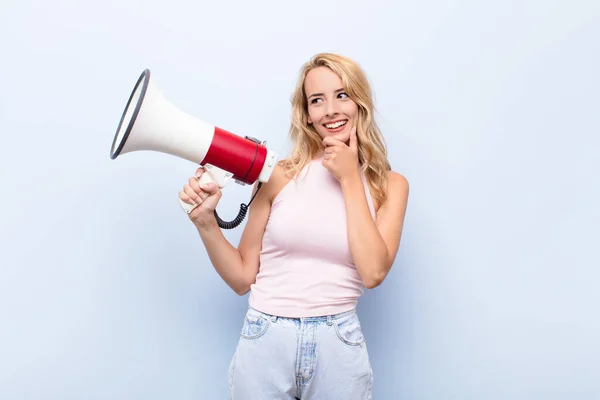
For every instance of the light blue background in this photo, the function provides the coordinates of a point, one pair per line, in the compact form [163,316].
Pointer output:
[491,110]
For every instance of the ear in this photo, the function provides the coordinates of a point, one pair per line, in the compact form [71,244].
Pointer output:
[309,120]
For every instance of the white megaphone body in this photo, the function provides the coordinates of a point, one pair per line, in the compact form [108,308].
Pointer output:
[150,122]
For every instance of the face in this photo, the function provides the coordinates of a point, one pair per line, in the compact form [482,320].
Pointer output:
[330,109]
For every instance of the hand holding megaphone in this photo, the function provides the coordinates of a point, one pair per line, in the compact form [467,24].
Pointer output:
[199,190]
[149,122]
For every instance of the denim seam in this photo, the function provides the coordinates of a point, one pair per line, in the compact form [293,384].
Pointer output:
[349,343]
[298,360]
[231,372]
[313,356]
[259,334]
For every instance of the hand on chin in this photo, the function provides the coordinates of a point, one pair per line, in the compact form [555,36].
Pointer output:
[341,154]
[343,136]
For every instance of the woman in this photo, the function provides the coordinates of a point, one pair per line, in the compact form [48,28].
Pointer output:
[327,224]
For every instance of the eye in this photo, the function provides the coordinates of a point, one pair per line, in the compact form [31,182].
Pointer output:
[343,95]
[313,101]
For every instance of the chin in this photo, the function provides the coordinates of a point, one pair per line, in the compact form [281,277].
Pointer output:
[343,135]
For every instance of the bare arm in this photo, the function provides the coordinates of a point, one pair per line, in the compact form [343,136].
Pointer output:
[374,244]
[236,266]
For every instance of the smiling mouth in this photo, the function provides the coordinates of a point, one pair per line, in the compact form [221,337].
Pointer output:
[335,125]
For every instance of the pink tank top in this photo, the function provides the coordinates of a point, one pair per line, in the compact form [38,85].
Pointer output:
[306,268]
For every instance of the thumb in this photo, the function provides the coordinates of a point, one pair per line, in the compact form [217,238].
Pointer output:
[210,188]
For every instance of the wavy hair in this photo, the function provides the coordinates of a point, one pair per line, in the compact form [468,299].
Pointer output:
[372,152]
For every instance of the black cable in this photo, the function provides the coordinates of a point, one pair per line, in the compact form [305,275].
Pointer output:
[241,214]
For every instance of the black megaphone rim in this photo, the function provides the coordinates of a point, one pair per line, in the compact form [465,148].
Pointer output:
[143,80]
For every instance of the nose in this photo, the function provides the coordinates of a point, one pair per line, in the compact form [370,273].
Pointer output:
[331,108]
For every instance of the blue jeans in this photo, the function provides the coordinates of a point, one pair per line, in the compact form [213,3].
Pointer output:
[317,358]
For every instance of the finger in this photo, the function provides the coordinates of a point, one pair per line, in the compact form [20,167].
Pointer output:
[210,188]
[342,137]
[331,141]
[193,182]
[185,198]
[192,194]
[353,139]
[330,156]
[199,172]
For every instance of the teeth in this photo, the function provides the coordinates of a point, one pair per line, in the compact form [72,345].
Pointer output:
[336,125]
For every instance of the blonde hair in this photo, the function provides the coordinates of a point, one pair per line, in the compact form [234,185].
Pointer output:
[372,152]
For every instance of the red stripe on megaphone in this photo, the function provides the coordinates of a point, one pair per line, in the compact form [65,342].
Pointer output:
[242,157]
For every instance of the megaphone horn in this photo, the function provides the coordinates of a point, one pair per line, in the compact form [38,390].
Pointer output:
[150,122]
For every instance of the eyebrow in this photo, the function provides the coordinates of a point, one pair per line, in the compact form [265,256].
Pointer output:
[322,94]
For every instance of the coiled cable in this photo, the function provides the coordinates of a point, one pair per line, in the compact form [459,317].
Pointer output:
[241,214]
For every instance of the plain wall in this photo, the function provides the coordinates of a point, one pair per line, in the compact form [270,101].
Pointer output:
[490,109]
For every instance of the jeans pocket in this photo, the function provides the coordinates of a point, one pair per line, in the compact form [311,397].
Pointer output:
[348,330]
[255,325]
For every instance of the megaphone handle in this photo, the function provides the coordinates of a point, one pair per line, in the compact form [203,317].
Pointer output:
[204,179]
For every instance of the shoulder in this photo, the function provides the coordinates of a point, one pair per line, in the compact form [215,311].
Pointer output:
[278,179]
[396,192]
[397,182]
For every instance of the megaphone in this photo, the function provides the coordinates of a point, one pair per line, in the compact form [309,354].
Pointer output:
[149,122]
